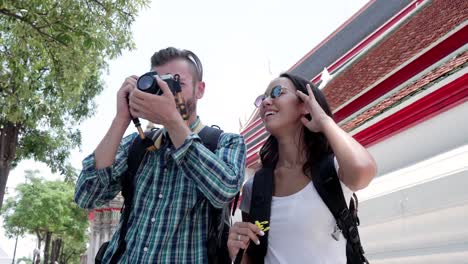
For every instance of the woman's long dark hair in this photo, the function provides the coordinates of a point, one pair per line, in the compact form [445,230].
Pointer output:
[316,144]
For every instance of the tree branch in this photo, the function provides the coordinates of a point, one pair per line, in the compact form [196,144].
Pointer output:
[118,9]
[31,24]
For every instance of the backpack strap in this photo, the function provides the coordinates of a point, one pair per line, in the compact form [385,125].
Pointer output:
[234,206]
[260,210]
[210,137]
[328,186]
[135,155]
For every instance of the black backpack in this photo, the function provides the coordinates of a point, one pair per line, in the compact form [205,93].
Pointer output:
[219,219]
[329,188]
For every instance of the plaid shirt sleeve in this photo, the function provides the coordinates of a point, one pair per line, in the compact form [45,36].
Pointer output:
[95,187]
[217,175]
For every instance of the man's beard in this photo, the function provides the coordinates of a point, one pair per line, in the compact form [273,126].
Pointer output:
[191,105]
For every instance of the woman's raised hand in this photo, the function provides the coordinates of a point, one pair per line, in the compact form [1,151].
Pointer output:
[319,117]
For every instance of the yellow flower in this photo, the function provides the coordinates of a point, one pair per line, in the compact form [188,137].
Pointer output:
[262,226]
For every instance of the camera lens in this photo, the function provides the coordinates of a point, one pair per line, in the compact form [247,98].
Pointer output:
[145,82]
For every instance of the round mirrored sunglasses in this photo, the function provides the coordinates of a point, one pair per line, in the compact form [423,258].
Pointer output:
[274,93]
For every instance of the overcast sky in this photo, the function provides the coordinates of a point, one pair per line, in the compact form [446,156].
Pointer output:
[242,45]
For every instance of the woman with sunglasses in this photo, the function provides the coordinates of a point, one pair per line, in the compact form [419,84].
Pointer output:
[302,132]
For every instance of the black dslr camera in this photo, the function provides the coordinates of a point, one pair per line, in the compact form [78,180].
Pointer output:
[147,83]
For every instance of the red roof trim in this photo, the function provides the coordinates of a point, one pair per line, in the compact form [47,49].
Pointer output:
[252,159]
[441,100]
[256,147]
[252,116]
[425,60]
[370,38]
[255,135]
[91,216]
[252,125]
[92,213]
[429,77]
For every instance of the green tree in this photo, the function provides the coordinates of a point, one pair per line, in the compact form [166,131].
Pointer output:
[71,251]
[46,209]
[52,54]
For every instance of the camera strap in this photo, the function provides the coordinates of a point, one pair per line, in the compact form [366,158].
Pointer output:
[158,137]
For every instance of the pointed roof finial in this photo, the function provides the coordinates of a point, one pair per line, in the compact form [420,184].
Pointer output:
[325,78]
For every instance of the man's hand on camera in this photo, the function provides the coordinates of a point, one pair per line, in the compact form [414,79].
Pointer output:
[159,109]
[123,111]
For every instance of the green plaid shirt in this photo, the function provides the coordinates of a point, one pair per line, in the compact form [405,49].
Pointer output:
[169,218]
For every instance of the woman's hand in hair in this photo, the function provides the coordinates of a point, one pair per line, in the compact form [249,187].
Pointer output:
[240,235]
[312,107]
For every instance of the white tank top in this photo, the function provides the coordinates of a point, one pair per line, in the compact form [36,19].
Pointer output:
[301,227]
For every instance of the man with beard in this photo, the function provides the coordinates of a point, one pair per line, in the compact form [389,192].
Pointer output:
[174,185]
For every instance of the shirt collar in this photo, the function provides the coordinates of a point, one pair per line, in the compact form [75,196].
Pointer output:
[195,127]
[195,124]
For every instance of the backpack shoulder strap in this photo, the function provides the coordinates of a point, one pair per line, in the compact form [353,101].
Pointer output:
[328,186]
[210,137]
[135,155]
[260,210]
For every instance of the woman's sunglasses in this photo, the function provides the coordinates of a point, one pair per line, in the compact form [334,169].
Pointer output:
[274,93]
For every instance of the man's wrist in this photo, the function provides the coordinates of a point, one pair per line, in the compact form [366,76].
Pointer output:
[175,123]
[178,131]
[121,122]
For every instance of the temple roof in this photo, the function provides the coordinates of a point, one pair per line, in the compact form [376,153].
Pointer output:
[416,33]
[367,20]
[391,60]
